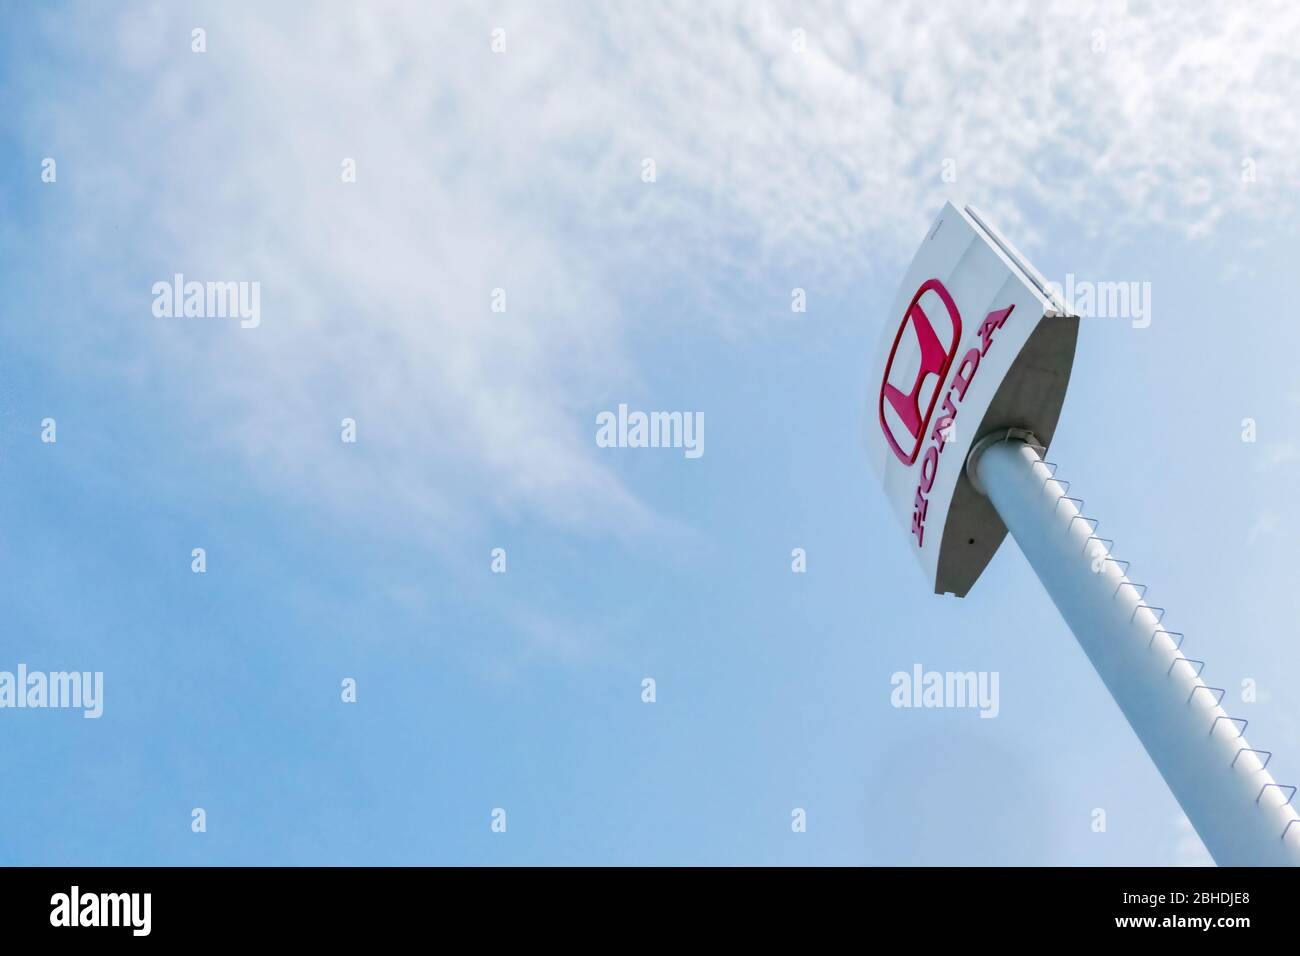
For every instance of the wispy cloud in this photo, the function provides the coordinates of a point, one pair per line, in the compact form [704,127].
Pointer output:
[1265,525]
[521,170]
[1281,453]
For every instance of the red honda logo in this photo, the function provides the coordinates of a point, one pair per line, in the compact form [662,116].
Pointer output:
[936,360]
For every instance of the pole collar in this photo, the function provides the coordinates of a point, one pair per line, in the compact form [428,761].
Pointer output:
[993,438]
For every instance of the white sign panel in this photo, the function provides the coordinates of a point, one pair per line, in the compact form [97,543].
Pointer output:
[965,311]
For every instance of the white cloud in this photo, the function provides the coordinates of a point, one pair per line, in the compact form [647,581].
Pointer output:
[521,170]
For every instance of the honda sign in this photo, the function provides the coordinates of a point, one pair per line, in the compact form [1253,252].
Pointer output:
[974,342]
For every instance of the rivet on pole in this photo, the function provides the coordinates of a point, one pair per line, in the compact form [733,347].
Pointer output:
[1280,786]
[1234,720]
[1186,660]
[1159,617]
[1170,634]
[1217,701]
[1094,521]
[1109,543]
[1268,755]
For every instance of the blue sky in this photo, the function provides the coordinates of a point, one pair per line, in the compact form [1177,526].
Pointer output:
[523,170]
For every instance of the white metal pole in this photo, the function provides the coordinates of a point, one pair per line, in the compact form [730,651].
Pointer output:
[1244,817]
